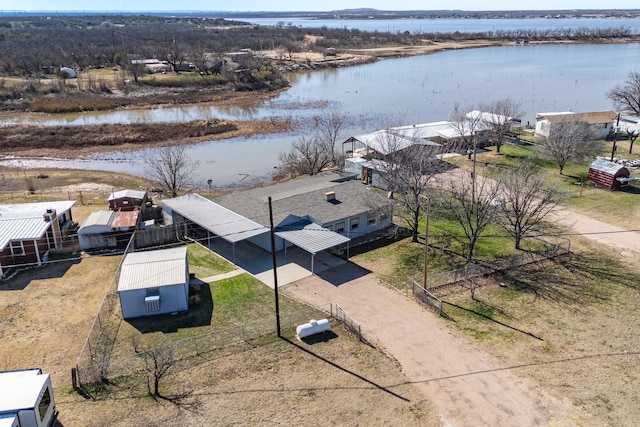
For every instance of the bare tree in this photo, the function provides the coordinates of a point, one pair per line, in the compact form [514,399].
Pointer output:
[158,361]
[135,69]
[174,52]
[467,127]
[407,166]
[315,152]
[569,141]
[472,201]
[526,202]
[632,135]
[626,96]
[499,119]
[169,168]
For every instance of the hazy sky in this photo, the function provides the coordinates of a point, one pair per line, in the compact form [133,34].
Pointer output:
[323,5]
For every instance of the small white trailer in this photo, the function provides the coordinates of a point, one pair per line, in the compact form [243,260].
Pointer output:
[26,399]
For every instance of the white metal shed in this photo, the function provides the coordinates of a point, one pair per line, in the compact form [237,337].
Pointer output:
[26,396]
[154,282]
[96,231]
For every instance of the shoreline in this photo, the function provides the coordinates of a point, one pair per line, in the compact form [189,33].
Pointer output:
[35,142]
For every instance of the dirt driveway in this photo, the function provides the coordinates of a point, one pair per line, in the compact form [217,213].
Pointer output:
[467,386]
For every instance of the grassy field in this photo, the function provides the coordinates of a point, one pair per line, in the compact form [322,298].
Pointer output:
[46,313]
[568,323]
[583,197]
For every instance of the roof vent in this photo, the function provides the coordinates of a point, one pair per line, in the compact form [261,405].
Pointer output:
[330,195]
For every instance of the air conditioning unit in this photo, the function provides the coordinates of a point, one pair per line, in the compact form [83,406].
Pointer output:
[152,302]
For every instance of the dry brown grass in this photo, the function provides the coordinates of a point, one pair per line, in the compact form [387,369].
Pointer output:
[46,313]
[583,308]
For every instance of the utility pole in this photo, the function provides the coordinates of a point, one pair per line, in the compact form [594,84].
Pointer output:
[615,137]
[275,269]
[426,244]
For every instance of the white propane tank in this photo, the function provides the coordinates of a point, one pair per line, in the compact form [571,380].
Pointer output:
[312,328]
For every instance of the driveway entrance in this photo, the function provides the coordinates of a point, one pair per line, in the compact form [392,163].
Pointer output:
[469,387]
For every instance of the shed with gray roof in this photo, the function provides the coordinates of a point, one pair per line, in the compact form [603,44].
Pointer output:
[154,282]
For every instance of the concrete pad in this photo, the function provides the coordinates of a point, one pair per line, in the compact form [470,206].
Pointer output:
[292,265]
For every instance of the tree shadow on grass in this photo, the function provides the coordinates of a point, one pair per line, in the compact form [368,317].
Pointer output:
[199,314]
[572,279]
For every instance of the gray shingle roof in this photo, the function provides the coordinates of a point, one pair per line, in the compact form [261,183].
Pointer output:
[302,198]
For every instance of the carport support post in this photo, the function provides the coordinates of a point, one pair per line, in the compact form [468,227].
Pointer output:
[275,269]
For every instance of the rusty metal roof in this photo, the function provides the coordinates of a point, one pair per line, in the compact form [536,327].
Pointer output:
[596,117]
[125,219]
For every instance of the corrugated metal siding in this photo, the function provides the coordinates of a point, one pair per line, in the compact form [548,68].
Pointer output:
[219,220]
[153,269]
[21,229]
[125,219]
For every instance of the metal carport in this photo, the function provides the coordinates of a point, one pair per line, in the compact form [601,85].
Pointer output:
[311,237]
[216,219]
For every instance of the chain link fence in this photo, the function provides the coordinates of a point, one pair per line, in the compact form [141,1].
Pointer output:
[95,364]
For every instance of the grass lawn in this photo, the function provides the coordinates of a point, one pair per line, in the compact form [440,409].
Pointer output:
[568,324]
[620,208]
[204,263]
[213,306]
[397,263]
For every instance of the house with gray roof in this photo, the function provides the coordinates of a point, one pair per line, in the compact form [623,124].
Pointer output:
[315,213]
[29,231]
[344,207]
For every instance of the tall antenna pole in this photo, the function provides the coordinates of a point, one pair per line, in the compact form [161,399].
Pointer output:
[275,269]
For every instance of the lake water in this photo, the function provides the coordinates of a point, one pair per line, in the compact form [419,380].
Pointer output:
[420,26]
[392,92]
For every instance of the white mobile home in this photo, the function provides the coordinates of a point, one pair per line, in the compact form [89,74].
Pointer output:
[154,282]
[26,399]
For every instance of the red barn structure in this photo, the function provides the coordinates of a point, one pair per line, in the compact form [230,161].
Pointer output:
[609,175]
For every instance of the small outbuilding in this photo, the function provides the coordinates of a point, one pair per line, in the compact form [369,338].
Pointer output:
[154,282]
[26,399]
[127,200]
[96,232]
[609,174]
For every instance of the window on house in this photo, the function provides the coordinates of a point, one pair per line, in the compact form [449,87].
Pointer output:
[340,227]
[17,247]
[355,222]
[371,218]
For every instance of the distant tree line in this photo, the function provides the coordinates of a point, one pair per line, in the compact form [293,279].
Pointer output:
[31,45]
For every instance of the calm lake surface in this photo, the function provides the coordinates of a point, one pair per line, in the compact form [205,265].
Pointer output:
[419,26]
[390,92]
